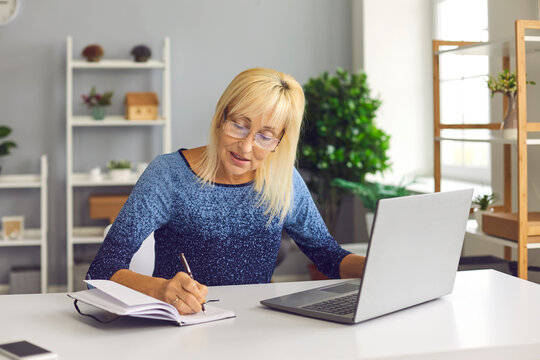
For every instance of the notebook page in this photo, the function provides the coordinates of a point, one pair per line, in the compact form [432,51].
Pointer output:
[126,295]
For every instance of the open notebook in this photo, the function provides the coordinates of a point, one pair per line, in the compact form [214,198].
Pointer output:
[121,300]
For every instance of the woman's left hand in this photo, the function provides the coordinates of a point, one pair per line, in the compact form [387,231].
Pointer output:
[352,266]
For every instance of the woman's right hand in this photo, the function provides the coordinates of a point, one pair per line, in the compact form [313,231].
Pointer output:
[184,293]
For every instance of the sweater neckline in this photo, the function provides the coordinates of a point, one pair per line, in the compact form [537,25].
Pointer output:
[180,151]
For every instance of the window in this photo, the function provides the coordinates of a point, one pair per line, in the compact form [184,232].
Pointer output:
[464,96]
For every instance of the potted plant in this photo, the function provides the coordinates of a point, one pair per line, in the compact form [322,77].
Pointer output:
[5,145]
[506,84]
[340,138]
[141,53]
[371,192]
[97,102]
[120,170]
[483,202]
[93,53]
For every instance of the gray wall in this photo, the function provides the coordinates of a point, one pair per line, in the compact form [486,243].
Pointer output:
[211,42]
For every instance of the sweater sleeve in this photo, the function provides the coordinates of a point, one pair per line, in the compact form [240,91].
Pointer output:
[306,227]
[146,210]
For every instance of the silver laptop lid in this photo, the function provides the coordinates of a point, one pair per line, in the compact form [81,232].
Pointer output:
[414,251]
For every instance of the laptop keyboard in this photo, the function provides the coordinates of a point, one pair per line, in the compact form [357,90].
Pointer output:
[341,306]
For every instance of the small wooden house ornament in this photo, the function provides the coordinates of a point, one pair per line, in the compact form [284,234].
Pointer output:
[141,106]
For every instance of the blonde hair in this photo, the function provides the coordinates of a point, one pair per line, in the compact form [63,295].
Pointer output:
[280,100]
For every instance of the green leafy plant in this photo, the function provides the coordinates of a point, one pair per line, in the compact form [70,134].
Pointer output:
[5,146]
[119,164]
[505,83]
[95,99]
[485,201]
[371,192]
[340,139]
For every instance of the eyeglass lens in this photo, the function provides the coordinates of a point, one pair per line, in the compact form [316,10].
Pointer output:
[238,131]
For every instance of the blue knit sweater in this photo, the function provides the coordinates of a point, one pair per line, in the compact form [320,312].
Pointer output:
[219,228]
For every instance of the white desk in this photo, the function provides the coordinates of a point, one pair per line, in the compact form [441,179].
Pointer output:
[489,315]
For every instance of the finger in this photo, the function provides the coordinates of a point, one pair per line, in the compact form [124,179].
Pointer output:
[192,302]
[182,307]
[203,289]
[191,286]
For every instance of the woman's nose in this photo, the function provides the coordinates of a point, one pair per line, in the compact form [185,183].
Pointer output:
[247,144]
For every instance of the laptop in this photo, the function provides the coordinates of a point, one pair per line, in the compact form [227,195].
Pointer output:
[412,257]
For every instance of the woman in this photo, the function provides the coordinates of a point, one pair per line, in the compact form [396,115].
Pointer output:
[225,205]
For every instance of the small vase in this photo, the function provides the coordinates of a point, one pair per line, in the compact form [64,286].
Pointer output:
[98,112]
[479,214]
[510,123]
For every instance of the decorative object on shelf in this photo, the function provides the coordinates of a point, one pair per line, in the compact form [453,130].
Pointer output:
[12,227]
[506,83]
[97,102]
[5,146]
[120,170]
[141,106]
[340,139]
[8,10]
[506,225]
[95,173]
[93,53]
[484,202]
[106,206]
[141,53]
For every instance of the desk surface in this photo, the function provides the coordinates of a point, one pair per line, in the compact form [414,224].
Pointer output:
[488,315]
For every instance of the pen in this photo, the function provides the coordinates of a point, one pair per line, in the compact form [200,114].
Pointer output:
[188,270]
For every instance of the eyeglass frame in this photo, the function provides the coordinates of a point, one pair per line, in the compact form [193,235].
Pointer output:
[226,118]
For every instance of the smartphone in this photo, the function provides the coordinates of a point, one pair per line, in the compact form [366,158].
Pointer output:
[25,350]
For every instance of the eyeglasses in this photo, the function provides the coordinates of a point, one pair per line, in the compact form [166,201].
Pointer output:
[238,131]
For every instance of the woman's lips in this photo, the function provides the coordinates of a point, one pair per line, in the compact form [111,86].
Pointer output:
[237,159]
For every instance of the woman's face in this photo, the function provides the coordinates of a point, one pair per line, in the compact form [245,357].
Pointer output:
[243,145]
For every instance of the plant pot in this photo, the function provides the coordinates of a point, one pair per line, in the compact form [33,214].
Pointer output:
[510,122]
[120,174]
[98,112]
[141,58]
[478,214]
[369,222]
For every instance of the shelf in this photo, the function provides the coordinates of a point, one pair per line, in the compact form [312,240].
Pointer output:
[87,235]
[20,181]
[492,140]
[513,52]
[113,120]
[79,179]
[84,179]
[117,64]
[495,48]
[32,237]
[473,233]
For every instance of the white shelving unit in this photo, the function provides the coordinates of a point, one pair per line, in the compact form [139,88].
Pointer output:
[74,181]
[32,237]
